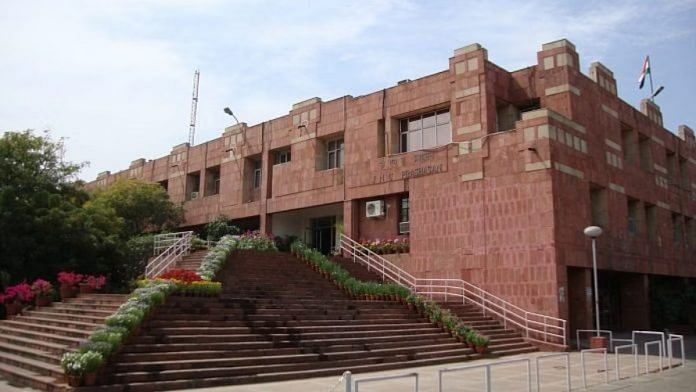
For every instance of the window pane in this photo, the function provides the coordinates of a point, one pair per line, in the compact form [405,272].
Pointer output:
[403,125]
[414,124]
[414,141]
[443,117]
[444,135]
[340,157]
[404,142]
[429,120]
[429,138]
[332,160]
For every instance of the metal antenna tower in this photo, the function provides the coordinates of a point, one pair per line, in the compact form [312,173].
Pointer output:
[194,108]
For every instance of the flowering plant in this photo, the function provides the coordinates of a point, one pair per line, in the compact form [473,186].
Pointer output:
[18,293]
[94,282]
[81,363]
[69,278]
[182,275]
[396,245]
[42,288]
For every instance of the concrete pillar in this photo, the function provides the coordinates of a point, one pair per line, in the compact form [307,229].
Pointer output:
[580,299]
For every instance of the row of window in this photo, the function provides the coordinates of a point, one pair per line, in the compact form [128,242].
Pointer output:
[642,218]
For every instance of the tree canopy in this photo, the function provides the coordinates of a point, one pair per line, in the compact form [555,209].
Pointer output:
[49,222]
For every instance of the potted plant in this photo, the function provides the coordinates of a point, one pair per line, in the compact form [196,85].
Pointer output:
[92,361]
[462,331]
[43,291]
[15,297]
[73,367]
[68,284]
[481,343]
[91,284]
[470,338]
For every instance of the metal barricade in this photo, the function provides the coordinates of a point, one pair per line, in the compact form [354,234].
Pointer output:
[582,364]
[670,346]
[634,350]
[384,378]
[487,368]
[647,356]
[544,357]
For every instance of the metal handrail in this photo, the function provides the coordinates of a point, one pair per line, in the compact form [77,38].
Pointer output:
[536,326]
[163,241]
[171,255]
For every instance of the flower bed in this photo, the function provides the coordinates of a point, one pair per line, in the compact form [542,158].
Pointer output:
[381,291]
[216,259]
[383,247]
[127,320]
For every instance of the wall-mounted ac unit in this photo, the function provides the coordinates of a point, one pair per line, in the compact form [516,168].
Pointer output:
[194,195]
[374,209]
[403,228]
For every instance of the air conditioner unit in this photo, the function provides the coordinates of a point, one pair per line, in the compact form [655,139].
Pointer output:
[403,228]
[194,195]
[374,209]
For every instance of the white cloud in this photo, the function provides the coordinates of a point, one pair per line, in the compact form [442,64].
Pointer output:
[115,77]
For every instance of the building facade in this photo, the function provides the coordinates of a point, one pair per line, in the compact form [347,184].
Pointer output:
[491,174]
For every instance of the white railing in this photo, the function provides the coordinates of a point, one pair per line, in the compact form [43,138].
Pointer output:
[534,326]
[164,241]
[170,255]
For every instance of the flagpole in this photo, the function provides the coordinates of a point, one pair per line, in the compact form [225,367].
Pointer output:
[651,82]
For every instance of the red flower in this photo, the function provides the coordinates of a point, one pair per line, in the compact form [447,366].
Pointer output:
[42,288]
[183,275]
[95,282]
[20,292]
[69,278]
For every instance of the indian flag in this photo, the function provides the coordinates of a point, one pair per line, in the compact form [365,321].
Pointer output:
[644,72]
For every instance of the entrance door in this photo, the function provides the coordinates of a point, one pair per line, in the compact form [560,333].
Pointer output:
[324,234]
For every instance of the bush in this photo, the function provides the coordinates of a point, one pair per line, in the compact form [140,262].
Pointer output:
[219,228]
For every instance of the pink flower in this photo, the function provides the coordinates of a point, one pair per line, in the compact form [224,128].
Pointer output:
[95,282]
[69,278]
[42,288]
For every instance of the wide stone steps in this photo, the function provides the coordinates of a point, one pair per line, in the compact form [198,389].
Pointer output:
[192,261]
[32,344]
[278,319]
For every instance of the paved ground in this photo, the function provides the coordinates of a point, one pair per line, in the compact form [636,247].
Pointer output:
[507,378]
[504,377]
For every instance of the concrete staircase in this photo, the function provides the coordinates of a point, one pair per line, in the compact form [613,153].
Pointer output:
[193,260]
[32,344]
[502,341]
[276,320]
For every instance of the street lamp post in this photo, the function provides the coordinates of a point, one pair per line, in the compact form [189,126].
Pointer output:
[593,232]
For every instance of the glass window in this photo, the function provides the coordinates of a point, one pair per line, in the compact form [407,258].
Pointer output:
[334,154]
[425,131]
[403,226]
[257,174]
[282,157]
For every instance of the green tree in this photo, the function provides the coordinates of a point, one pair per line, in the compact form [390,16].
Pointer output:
[143,206]
[44,227]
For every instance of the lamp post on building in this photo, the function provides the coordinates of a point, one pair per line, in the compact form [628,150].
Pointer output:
[593,232]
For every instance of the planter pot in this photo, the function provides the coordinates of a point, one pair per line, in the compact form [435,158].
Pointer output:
[67,291]
[90,379]
[411,307]
[43,301]
[74,380]
[471,345]
[13,308]
[85,289]
[480,349]
[598,342]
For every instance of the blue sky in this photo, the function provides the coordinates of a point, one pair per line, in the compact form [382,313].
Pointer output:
[114,77]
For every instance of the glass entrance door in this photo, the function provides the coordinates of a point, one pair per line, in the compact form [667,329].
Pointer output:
[324,234]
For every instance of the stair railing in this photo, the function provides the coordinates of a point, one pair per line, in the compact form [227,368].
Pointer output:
[170,255]
[535,326]
[164,241]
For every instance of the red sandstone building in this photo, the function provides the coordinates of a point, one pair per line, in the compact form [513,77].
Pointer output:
[492,174]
